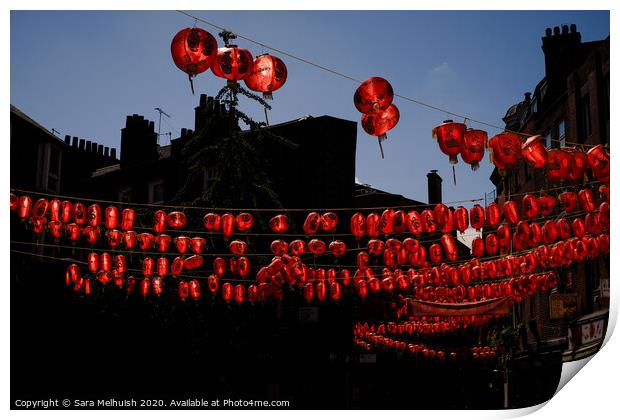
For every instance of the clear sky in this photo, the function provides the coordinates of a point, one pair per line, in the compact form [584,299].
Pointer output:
[81,73]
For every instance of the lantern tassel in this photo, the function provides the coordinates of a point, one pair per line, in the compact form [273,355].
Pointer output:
[380,139]
[191,83]
[454,174]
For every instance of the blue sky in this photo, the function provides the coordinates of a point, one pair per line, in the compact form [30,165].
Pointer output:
[81,73]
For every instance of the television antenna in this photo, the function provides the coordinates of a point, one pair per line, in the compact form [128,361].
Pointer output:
[161,111]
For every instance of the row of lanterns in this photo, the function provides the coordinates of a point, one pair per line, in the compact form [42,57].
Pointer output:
[430,325]
[195,51]
[563,164]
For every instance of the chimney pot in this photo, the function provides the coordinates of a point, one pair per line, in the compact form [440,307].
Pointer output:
[100,150]
[556,30]
[82,144]
[106,151]
[548,32]
[113,153]
[67,139]
[74,142]
[93,147]
[434,187]
[573,28]
[564,29]
[203,100]
[88,145]
[528,96]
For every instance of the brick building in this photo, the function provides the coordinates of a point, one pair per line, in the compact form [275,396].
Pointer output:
[570,104]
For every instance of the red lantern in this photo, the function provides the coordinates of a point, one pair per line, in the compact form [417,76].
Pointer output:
[182,244]
[603,215]
[317,247]
[212,222]
[227,292]
[24,208]
[92,234]
[228,225]
[321,291]
[213,284]
[128,216]
[491,244]
[428,221]
[157,285]
[279,223]
[177,266]
[297,247]
[546,205]
[176,219]
[558,162]
[232,63]
[564,228]
[193,262]
[550,231]
[111,217]
[449,246]
[129,239]
[450,138]
[93,262]
[239,294]
[598,161]
[586,200]
[193,50]
[568,201]
[148,266]
[592,223]
[15,203]
[40,209]
[80,213]
[376,247]
[145,241]
[435,253]
[162,266]
[238,247]
[120,263]
[219,266]
[308,292]
[243,267]
[379,123]
[529,206]
[55,229]
[373,95]
[506,149]
[386,224]
[73,232]
[373,225]
[162,243]
[503,236]
[194,289]
[328,222]
[476,217]
[311,225]
[337,248]
[578,163]
[474,143]
[267,75]
[358,225]
[252,293]
[493,215]
[159,221]
[245,221]
[604,191]
[477,247]
[197,245]
[145,286]
[115,237]
[461,219]
[534,152]
[578,228]
[183,290]
[511,212]
[414,222]
[66,212]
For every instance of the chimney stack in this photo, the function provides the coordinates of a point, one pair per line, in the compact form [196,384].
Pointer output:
[434,187]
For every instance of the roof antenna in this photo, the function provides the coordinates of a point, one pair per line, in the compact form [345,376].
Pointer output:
[161,111]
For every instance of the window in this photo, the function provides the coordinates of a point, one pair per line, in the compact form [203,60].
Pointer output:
[48,168]
[560,130]
[124,195]
[156,192]
[547,137]
[585,125]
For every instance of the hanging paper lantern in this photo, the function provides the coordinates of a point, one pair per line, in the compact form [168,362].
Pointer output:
[311,224]
[73,232]
[111,217]
[239,294]
[232,63]
[578,228]
[213,284]
[193,50]
[66,212]
[550,232]
[491,244]
[93,215]
[91,234]
[24,207]
[238,247]
[358,225]
[598,161]
[373,225]
[373,95]
[435,253]
[244,222]
[386,224]
[243,267]
[564,228]
[449,135]
[476,217]
[145,241]
[505,150]
[157,285]
[578,163]
[15,203]
[162,266]
[159,221]
[492,215]
[176,220]
[183,290]
[212,222]
[586,200]
[182,244]
[120,263]
[227,292]
[449,246]
[534,152]
[148,266]
[177,266]
[328,222]
[197,245]
[267,75]
[55,228]
[93,262]
[219,266]
[228,225]
[558,162]
[115,237]
[477,247]
[379,123]
[461,219]
[511,212]
[54,209]
[145,287]
[297,247]
[503,236]
[428,221]
[40,209]
[279,223]
[162,243]
[546,205]
[593,223]
[317,247]
[414,222]
[568,201]
[79,213]
[604,192]
[128,216]
[603,214]
[38,225]
[529,206]
[193,262]
[337,248]
[472,150]
[376,247]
